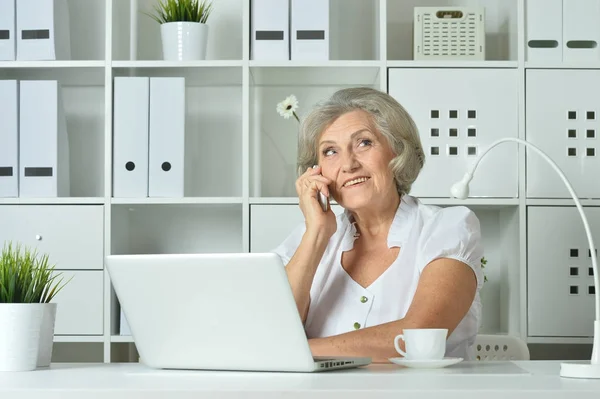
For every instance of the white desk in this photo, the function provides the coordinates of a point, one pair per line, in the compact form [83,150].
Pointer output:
[480,380]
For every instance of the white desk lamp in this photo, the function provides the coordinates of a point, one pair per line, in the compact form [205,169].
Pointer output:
[572,370]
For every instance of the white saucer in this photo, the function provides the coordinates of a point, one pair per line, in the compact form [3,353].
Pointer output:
[426,364]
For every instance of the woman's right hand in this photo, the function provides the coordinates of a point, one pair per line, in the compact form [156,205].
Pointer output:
[308,187]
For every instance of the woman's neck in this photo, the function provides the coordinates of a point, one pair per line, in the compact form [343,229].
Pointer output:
[374,224]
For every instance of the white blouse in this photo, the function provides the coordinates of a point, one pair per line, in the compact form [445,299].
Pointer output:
[423,232]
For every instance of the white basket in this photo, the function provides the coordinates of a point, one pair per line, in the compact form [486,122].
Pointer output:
[444,33]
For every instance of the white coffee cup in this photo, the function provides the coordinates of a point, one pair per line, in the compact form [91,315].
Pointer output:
[422,343]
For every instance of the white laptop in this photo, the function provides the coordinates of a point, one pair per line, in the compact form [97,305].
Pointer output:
[222,311]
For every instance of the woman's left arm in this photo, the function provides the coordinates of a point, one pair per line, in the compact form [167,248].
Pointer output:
[444,294]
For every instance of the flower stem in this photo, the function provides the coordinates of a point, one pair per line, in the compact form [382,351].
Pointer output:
[295,116]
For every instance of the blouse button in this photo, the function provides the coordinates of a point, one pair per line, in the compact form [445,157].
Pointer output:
[356,326]
[364,299]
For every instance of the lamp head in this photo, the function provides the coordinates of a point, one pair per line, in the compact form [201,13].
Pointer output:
[460,189]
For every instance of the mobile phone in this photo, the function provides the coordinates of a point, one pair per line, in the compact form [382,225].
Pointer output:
[323,201]
[322,197]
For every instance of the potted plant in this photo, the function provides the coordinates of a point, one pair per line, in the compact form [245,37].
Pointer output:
[27,285]
[183,28]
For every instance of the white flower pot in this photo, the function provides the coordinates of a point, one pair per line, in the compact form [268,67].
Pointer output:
[184,41]
[20,335]
[47,335]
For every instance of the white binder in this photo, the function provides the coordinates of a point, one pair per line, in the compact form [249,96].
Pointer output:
[310,30]
[544,30]
[9,136]
[167,137]
[43,141]
[43,30]
[270,30]
[130,138]
[581,30]
[7,30]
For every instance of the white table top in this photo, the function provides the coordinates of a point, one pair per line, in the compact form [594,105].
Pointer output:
[489,380]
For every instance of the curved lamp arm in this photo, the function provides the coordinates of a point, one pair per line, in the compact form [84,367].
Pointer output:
[461,190]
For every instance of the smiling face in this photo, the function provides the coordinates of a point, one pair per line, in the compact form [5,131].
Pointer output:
[356,158]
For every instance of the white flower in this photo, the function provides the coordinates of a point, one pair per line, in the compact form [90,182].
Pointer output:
[288,107]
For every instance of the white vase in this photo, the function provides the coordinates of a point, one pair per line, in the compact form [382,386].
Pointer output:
[47,335]
[20,335]
[184,41]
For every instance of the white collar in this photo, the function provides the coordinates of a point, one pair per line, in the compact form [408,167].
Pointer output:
[399,230]
[402,224]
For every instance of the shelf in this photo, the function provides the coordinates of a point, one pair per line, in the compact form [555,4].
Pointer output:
[274,200]
[479,202]
[452,64]
[78,338]
[501,26]
[53,201]
[278,201]
[472,202]
[332,73]
[559,340]
[224,39]
[578,65]
[196,74]
[560,202]
[213,149]
[177,228]
[177,201]
[51,64]
[315,64]
[177,64]
[68,73]
[354,32]
[240,151]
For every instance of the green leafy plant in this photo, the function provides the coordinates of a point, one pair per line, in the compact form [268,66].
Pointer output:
[26,277]
[483,263]
[181,11]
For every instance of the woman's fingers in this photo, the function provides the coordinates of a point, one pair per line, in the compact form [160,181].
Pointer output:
[318,178]
[317,183]
[315,170]
[312,181]
[314,185]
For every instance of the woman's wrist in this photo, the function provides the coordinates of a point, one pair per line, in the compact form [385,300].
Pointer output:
[317,235]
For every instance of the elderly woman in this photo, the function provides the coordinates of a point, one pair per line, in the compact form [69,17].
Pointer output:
[388,262]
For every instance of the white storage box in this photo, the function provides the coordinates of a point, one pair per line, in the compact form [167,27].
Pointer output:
[43,30]
[166,144]
[560,281]
[130,136]
[80,308]
[563,123]
[581,35]
[71,235]
[9,138]
[309,30]
[449,33]
[270,25]
[462,113]
[544,24]
[7,30]
[44,156]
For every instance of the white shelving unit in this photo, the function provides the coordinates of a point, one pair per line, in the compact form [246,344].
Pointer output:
[240,154]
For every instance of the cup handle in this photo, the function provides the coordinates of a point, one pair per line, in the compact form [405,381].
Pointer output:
[400,351]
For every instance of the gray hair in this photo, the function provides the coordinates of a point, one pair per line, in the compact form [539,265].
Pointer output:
[388,117]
